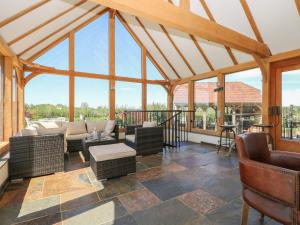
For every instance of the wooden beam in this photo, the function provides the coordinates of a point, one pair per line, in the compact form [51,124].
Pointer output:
[298,6]
[221,100]
[284,55]
[112,64]
[60,29]
[251,20]
[7,110]
[185,4]
[45,23]
[144,78]
[22,13]
[21,115]
[211,17]
[139,42]
[171,16]
[157,47]
[191,103]
[177,49]
[62,38]
[201,51]
[5,49]
[71,78]
[230,69]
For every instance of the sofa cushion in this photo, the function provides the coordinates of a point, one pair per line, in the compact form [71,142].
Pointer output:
[76,128]
[44,131]
[29,131]
[99,125]
[77,136]
[109,127]
[113,151]
[149,124]
[130,138]
[48,124]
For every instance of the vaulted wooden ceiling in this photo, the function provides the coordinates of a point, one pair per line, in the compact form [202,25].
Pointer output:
[29,27]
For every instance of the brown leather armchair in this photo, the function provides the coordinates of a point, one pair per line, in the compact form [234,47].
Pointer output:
[270,179]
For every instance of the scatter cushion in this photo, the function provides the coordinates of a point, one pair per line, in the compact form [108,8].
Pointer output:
[149,124]
[29,131]
[76,128]
[59,130]
[113,151]
[77,136]
[48,124]
[130,138]
[99,125]
[109,127]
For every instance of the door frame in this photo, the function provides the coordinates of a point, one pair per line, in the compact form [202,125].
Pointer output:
[277,69]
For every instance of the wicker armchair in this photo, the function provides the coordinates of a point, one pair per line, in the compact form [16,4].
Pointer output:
[145,140]
[32,156]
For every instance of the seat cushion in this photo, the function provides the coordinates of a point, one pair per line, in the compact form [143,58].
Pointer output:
[130,138]
[99,125]
[76,128]
[44,131]
[48,124]
[113,151]
[77,136]
[29,131]
[149,124]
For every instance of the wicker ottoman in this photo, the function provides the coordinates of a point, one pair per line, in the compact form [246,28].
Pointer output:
[115,160]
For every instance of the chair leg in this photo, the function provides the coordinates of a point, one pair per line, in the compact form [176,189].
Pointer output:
[245,212]
[262,216]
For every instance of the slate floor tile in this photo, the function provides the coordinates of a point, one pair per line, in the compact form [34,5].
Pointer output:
[54,219]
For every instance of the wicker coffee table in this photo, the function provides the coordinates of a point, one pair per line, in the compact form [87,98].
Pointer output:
[88,142]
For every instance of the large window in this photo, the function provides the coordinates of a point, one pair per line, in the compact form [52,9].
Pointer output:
[291,105]
[15,102]
[157,97]
[181,97]
[47,97]
[152,71]
[243,99]
[1,95]
[128,96]
[206,99]
[128,53]
[91,99]
[91,47]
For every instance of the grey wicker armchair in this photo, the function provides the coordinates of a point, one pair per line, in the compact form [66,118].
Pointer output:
[145,140]
[32,156]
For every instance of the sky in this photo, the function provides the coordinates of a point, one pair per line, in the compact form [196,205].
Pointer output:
[91,55]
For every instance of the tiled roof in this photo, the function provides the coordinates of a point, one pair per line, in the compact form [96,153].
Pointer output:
[235,93]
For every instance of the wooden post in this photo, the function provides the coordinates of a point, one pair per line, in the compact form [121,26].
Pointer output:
[144,84]
[21,115]
[7,111]
[112,69]
[71,78]
[191,102]
[221,100]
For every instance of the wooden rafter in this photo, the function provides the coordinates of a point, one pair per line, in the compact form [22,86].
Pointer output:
[62,38]
[185,4]
[62,28]
[45,23]
[251,20]
[139,42]
[177,49]
[22,13]
[202,52]
[169,15]
[44,70]
[211,17]
[156,45]
[5,49]
[298,6]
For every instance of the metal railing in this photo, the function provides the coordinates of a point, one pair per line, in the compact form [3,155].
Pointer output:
[176,123]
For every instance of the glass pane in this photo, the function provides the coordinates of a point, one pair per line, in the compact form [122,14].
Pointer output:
[47,96]
[157,97]
[91,99]
[180,101]
[128,96]
[206,104]
[152,72]
[291,105]
[243,99]
[1,95]
[57,57]
[91,47]
[128,53]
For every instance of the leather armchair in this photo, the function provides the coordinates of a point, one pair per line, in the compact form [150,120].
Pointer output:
[270,179]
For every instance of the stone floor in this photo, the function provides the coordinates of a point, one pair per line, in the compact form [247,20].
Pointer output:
[187,186]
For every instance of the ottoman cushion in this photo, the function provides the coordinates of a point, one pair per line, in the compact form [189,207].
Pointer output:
[109,152]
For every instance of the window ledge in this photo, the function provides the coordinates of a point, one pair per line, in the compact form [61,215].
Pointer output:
[4,146]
